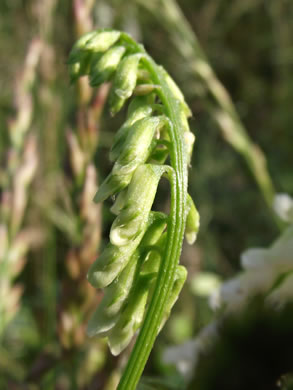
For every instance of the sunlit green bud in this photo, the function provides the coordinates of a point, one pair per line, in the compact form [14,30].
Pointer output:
[157,224]
[177,93]
[138,144]
[140,102]
[102,40]
[106,315]
[125,227]
[136,151]
[131,317]
[119,202]
[111,185]
[78,49]
[124,82]
[192,221]
[80,68]
[135,213]
[152,261]
[102,69]
[119,289]
[142,110]
[100,322]
[113,260]
[145,89]
[180,277]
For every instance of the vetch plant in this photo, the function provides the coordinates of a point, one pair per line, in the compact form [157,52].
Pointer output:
[138,269]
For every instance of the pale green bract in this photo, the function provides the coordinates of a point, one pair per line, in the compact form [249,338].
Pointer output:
[138,269]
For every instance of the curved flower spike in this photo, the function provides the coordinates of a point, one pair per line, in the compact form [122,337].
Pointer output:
[139,267]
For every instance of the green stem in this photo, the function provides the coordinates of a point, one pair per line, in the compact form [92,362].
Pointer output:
[165,279]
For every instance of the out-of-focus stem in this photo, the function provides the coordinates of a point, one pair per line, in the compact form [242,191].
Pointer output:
[21,166]
[223,109]
[82,142]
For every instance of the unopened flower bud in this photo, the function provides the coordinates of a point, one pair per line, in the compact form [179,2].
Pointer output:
[142,110]
[102,40]
[111,262]
[79,68]
[136,150]
[157,225]
[152,260]
[114,259]
[111,185]
[124,82]
[79,47]
[135,213]
[131,317]
[119,202]
[192,222]
[90,43]
[180,277]
[140,102]
[103,68]
[137,146]
[106,315]
[95,41]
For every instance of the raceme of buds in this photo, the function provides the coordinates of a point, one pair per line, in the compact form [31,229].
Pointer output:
[136,150]
[92,42]
[129,226]
[129,266]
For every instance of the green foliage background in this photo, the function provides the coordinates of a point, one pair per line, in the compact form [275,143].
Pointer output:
[249,46]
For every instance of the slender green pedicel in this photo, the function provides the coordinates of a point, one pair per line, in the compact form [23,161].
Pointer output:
[139,268]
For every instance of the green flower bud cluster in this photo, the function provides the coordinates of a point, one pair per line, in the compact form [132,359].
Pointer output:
[129,266]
